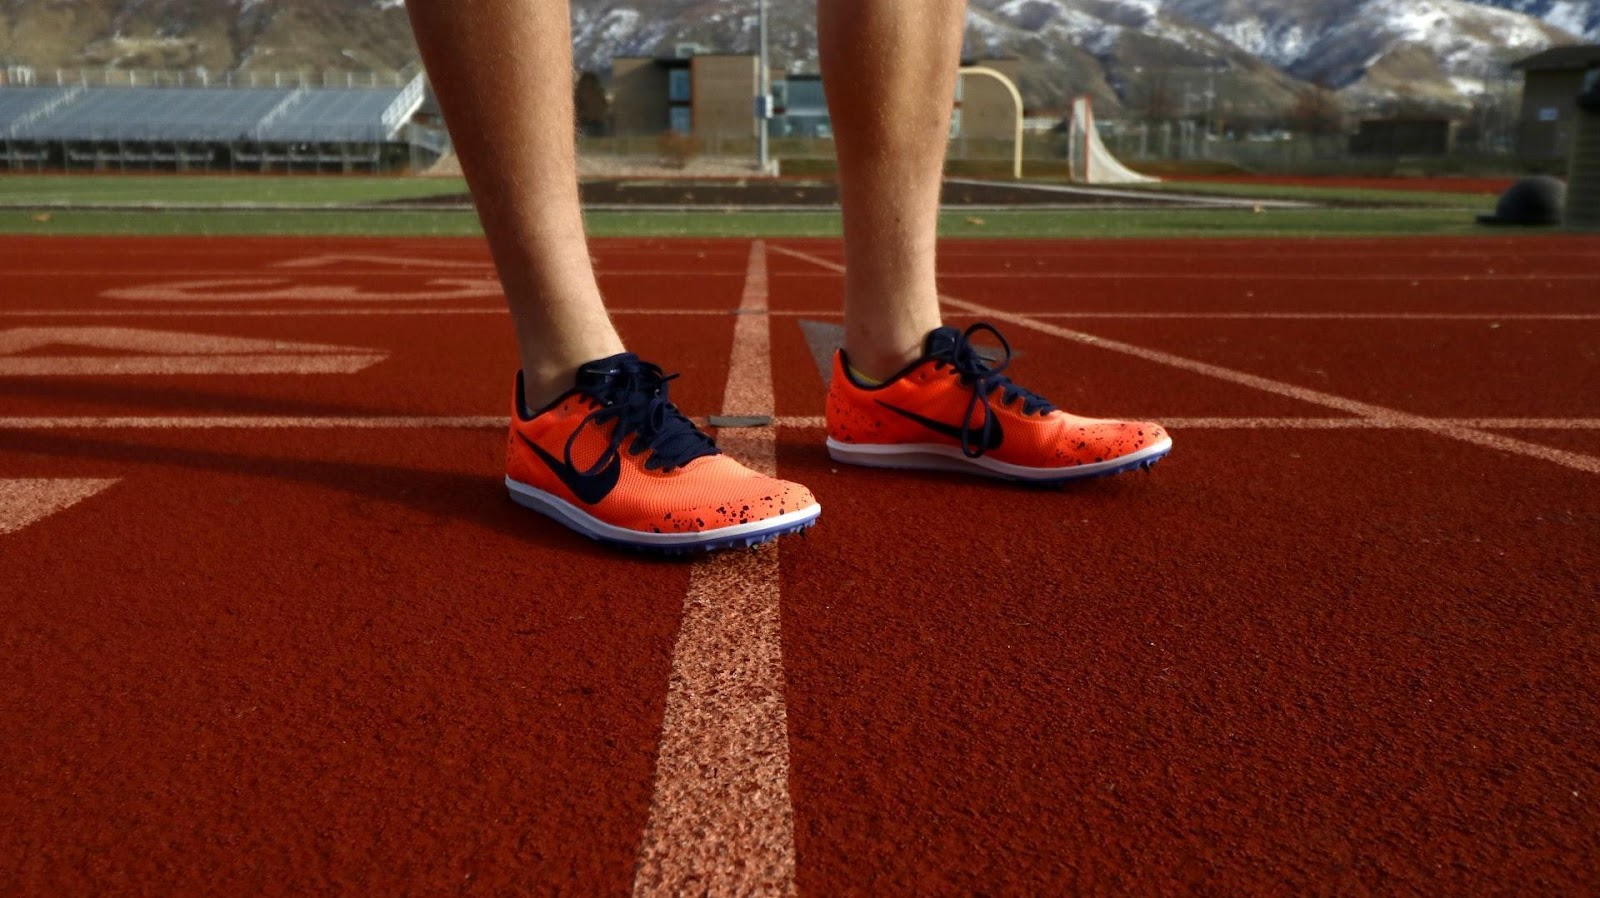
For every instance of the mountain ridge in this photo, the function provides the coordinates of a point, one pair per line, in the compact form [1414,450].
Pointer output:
[1251,57]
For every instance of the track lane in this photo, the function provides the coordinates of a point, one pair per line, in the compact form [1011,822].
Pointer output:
[426,368]
[1310,661]
[344,656]
[949,729]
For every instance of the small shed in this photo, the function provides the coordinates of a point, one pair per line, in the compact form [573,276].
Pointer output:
[1550,99]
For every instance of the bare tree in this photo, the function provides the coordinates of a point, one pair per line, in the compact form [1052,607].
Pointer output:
[1318,112]
[1160,100]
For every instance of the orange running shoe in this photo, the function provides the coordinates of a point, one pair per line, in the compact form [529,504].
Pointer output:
[953,409]
[615,460]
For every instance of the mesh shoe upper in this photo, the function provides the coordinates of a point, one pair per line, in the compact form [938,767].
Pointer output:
[617,448]
[954,396]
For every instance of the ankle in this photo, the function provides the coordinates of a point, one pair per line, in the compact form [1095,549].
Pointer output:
[881,359]
[551,357]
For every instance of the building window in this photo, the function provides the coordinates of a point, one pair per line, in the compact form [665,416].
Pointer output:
[678,85]
[681,119]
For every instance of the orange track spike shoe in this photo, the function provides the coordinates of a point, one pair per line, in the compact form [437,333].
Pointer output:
[953,409]
[615,460]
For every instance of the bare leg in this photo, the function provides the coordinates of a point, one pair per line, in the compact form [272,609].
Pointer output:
[889,67]
[503,73]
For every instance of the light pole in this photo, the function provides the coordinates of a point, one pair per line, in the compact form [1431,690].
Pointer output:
[764,84]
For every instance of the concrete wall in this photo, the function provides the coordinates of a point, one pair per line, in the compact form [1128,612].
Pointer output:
[1388,137]
[1542,93]
[638,96]
[724,90]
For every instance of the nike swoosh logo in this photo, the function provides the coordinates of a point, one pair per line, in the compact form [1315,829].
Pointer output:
[590,489]
[996,433]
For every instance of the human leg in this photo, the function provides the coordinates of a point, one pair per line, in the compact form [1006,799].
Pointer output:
[906,392]
[889,68]
[502,72]
[594,442]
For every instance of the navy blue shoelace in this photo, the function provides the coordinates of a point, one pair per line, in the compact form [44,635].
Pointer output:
[634,394]
[985,378]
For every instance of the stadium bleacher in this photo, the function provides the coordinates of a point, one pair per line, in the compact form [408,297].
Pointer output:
[204,126]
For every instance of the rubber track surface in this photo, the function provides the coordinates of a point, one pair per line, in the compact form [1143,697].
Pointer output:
[1300,657]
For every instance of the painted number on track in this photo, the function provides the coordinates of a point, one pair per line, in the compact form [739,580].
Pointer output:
[27,500]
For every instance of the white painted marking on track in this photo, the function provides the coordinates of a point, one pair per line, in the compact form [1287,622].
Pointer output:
[24,501]
[721,821]
[803,313]
[405,262]
[250,313]
[1577,461]
[280,290]
[231,272]
[1130,275]
[253,422]
[170,352]
[1319,316]
[799,422]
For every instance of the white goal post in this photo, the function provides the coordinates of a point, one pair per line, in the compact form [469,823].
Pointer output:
[1091,162]
[1016,98]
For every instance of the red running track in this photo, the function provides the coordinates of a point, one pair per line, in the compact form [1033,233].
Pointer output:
[281,633]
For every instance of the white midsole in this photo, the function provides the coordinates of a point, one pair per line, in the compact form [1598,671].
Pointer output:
[580,520]
[939,457]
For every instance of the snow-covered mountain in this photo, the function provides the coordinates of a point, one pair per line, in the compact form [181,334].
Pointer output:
[1375,50]
[1580,17]
[1251,56]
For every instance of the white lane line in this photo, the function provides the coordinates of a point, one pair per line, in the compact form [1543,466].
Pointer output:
[313,313]
[721,821]
[798,422]
[1321,316]
[1125,275]
[253,422]
[818,422]
[24,501]
[367,273]
[170,352]
[805,313]
[278,289]
[1577,461]
[104,366]
[1265,316]
[24,339]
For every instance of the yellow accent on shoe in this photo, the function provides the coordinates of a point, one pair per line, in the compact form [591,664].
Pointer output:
[862,378]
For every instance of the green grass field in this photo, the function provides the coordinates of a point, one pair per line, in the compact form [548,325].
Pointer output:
[310,206]
[244,189]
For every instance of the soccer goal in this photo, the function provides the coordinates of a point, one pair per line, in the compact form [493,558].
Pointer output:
[1092,163]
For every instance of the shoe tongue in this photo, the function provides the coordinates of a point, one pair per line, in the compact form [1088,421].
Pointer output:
[941,343]
[597,377]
